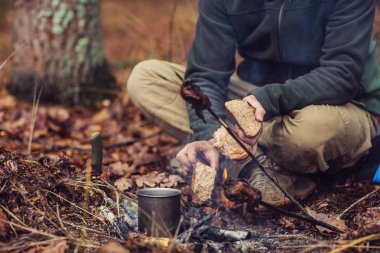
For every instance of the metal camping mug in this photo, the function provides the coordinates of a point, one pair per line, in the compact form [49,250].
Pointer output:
[159,211]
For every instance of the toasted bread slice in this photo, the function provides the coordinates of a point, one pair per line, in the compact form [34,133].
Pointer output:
[228,146]
[202,182]
[244,114]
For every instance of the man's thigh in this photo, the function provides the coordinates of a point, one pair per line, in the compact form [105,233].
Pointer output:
[153,86]
[319,137]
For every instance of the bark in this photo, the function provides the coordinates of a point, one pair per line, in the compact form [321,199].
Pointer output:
[61,50]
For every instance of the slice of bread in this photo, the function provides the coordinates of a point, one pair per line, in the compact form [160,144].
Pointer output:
[202,182]
[228,146]
[244,114]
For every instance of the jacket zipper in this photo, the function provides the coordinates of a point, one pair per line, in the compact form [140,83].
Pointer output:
[279,20]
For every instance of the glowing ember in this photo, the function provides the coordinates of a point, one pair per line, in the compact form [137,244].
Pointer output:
[225,175]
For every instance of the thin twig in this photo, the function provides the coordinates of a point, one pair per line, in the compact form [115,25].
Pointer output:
[358,201]
[36,101]
[12,215]
[171,31]
[61,223]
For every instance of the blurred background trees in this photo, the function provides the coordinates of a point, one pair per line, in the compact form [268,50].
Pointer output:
[65,49]
[60,49]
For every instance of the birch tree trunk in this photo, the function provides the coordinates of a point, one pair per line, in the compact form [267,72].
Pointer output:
[60,48]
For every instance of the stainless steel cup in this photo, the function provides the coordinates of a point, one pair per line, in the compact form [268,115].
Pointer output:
[159,211]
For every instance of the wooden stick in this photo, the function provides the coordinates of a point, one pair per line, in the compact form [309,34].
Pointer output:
[287,194]
[358,201]
[97,153]
[302,217]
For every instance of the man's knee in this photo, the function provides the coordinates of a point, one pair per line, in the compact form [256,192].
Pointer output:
[297,141]
[140,77]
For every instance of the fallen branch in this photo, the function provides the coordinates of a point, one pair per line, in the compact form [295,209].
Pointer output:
[358,201]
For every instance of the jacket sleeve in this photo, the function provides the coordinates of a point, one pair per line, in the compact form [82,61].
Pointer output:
[211,63]
[337,80]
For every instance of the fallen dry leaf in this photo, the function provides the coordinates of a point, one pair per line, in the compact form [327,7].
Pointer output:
[287,223]
[60,115]
[329,219]
[119,168]
[171,181]
[123,184]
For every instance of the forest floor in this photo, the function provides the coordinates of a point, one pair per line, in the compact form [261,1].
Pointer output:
[48,202]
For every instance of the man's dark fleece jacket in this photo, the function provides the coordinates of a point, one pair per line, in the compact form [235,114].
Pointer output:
[299,53]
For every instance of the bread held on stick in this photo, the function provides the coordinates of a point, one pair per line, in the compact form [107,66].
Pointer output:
[244,115]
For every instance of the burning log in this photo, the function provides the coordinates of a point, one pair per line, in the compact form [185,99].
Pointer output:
[221,235]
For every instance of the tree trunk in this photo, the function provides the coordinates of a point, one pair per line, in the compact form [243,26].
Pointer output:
[60,49]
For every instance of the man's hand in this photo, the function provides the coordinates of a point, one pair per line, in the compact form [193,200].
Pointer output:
[260,111]
[188,155]
[259,115]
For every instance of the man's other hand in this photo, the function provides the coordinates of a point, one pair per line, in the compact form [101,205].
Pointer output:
[191,153]
[259,115]
[260,111]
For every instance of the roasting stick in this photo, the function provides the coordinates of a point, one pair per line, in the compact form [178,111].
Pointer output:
[252,156]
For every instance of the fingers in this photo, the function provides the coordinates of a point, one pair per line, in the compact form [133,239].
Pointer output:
[260,112]
[213,158]
[188,156]
[243,137]
[183,158]
[192,154]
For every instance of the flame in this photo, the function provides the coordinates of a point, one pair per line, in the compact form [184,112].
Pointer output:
[225,175]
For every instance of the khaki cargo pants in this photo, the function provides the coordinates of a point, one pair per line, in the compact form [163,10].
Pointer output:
[310,140]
